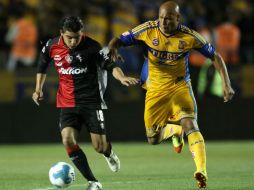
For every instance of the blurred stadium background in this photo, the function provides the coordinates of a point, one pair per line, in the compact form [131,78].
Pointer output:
[26,24]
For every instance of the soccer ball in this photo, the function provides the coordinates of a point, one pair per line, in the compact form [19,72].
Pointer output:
[61,175]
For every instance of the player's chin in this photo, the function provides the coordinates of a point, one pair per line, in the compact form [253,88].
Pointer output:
[166,30]
[72,47]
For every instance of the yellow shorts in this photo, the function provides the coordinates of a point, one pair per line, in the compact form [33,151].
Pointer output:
[163,107]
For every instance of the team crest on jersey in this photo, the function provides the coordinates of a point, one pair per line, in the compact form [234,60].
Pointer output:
[57,58]
[182,44]
[68,58]
[79,57]
[155,42]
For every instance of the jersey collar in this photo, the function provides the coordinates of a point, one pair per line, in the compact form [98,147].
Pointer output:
[61,41]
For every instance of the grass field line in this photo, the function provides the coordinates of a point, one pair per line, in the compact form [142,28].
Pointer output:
[112,182]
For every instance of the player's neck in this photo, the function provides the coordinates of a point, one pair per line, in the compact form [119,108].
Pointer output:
[169,32]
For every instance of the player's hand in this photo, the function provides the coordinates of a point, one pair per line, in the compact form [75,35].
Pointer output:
[128,81]
[228,93]
[37,96]
[115,56]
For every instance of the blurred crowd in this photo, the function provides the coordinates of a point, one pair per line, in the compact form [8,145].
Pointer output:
[26,24]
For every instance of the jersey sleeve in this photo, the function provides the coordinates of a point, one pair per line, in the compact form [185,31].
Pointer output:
[207,50]
[104,60]
[44,58]
[139,33]
[202,46]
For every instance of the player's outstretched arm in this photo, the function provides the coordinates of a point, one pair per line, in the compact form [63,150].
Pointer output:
[113,46]
[119,75]
[38,94]
[221,68]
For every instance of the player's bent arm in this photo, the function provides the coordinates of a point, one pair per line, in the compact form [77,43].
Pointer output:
[40,80]
[119,75]
[38,94]
[115,43]
[113,46]
[221,68]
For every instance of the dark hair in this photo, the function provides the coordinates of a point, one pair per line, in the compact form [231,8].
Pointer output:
[72,24]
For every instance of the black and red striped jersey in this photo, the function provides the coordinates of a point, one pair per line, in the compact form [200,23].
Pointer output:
[82,72]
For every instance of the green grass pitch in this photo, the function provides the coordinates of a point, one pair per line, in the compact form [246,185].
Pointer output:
[143,167]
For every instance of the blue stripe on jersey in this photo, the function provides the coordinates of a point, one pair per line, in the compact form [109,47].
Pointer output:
[144,72]
[186,62]
[128,39]
[207,50]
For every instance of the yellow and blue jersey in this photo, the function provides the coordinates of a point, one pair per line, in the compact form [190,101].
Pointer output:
[167,55]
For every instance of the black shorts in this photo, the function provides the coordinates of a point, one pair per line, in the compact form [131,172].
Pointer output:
[79,117]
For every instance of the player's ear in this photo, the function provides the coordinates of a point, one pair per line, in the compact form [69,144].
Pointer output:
[61,31]
[178,17]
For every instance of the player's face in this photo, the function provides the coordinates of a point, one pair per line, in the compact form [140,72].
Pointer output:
[72,39]
[169,20]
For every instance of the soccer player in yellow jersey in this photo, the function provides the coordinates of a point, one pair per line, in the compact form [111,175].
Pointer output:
[165,75]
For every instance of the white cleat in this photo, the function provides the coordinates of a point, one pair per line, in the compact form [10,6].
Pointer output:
[113,162]
[94,185]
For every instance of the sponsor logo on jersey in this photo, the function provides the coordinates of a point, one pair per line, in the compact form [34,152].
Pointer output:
[57,58]
[72,71]
[164,55]
[155,42]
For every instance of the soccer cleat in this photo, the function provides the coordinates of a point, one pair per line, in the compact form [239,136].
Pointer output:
[178,143]
[113,162]
[201,178]
[94,185]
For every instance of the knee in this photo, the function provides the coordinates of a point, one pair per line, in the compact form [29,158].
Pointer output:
[189,124]
[68,141]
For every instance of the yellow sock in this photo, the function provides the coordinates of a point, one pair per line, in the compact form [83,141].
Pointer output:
[170,130]
[197,148]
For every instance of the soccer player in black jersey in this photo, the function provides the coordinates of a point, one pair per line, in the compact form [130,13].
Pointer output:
[82,66]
